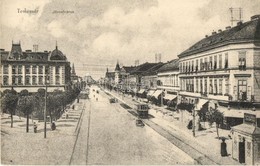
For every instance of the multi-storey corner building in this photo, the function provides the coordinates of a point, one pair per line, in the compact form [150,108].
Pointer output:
[32,70]
[224,67]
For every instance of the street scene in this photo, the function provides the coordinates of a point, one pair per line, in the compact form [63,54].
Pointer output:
[152,82]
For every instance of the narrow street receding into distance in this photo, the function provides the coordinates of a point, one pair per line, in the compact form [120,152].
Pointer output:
[108,135]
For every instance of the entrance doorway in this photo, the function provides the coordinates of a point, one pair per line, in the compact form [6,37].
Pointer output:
[242,151]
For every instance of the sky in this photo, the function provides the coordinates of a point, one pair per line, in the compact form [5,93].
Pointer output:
[95,34]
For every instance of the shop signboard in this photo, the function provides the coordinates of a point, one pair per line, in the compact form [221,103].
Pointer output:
[250,119]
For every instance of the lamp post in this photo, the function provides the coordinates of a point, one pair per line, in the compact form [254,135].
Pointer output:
[45,106]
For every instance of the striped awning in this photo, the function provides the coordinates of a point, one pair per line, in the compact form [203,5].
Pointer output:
[150,92]
[157,93]
[170,96]
[141,91]
[201,103]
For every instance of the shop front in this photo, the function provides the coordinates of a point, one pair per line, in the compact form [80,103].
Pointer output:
[246,141]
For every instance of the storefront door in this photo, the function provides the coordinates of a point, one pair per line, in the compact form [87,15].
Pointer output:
[242,152]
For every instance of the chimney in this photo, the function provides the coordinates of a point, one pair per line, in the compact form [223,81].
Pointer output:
[219,31]
[214,33]
[228,27]
[159,57]
[45,51]
[239,23]
[35,48]
[28,50]
[206,36]
[255,17]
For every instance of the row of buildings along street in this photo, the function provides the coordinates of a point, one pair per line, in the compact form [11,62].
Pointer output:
[215,82]
[221,72]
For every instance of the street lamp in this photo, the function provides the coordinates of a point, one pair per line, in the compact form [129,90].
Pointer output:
[45,106]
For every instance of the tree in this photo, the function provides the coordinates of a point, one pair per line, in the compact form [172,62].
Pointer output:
[9,102]
[214,115]
[26,105]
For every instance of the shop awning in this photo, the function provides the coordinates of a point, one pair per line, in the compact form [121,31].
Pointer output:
[141,91]
[157,93]
[170,96]
[150,92]
[201,103]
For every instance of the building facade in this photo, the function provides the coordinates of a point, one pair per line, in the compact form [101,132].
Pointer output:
[32,70]
[168,76]
[224,67]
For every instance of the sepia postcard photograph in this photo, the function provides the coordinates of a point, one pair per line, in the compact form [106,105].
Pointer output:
[130,82]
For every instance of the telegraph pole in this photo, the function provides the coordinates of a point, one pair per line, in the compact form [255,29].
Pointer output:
[193,121]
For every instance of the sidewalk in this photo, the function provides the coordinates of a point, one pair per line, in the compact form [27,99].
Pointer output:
[21,148]
[205,142]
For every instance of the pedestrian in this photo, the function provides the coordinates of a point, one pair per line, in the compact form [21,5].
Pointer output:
[223,149]
[53,126]
[35,127]
[96,99]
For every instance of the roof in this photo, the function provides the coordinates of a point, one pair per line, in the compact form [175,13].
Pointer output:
[128,69]
[56,54]
[142,68]
[117,67]
[248,129]
[243,32]
[110,75]
[4,55]
[170,66]
[153,70]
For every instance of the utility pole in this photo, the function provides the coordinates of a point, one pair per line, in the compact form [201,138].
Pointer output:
[193,121]
[45,109]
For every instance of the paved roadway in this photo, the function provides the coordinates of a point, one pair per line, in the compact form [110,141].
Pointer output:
[108,135]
